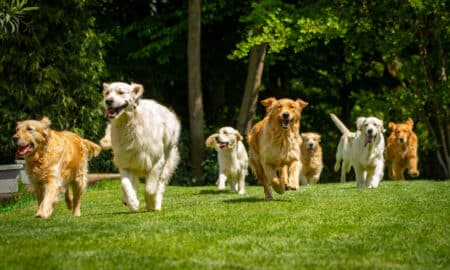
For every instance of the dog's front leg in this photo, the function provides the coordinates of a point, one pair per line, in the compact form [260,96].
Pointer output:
[360,177]
[241,185]
[221,181]
[375,176]
[51,192]
[412,168]
[294,174]
[129,190]
[274,180]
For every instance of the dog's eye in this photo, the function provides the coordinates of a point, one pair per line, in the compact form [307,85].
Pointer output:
[120,92]
[30,129]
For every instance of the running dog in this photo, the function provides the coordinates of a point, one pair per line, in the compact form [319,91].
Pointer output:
[275,145]
[144,140]
[56,161]
[232,158]
[311,158]
[363,150]
[401,150]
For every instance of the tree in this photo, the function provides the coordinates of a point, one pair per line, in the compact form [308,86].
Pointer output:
[195,89]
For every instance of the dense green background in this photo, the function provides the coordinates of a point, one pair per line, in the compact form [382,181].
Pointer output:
[382,58]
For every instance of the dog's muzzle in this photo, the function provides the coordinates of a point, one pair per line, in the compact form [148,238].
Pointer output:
[113,112]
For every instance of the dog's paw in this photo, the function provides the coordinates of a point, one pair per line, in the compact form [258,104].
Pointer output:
[414,173]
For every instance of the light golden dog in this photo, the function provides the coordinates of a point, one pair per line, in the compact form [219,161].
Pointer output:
[232,158]
[275,145]
[401,150]
[56,161]
[311,158]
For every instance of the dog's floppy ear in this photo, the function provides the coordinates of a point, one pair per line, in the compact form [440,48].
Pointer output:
[239,136]
[268,103]
[211,140]
[318,137]
[360,122]
[391,125]
[410,123]
[45,125]
[105,85]
[301,103]
[138,90]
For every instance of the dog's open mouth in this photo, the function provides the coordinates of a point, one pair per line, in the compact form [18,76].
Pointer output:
[285,123]
[222,144]
[23,151]
[112,113]
[369,139]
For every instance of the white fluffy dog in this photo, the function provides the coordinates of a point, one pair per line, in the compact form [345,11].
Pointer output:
[363,150]
[232,158]
[144,138]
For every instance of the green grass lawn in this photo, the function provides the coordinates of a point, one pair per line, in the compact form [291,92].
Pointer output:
[400,225]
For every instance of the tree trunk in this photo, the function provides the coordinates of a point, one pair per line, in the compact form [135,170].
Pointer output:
[195,89]
[252,84]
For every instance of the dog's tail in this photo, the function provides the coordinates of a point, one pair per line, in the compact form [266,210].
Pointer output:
[93,149]
[339,124]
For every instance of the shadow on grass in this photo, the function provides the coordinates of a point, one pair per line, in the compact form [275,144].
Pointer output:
[212,192]
[255,200]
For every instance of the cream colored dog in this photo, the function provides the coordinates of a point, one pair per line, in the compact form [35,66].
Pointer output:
[363,150]
[144,138]
[56,161]
[232,158]
[311,158]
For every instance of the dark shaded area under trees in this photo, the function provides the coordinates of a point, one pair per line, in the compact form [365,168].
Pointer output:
[387,59]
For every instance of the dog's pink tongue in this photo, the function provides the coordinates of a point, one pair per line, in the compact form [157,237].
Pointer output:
[22,150]
[222,145]
[110,112]
[368,140]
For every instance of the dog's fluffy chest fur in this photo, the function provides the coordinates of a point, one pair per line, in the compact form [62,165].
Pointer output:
[136,137]
[369,153]
[282,150]
[233,160]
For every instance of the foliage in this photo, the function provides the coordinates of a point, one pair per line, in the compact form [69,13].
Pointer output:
[400,225]
[11,15]
[53,68]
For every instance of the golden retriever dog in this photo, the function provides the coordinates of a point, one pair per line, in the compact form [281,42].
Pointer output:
[232,158]
[144,140]
[275,145]
[56,161]
[363,150]
[401,150]
[311,158]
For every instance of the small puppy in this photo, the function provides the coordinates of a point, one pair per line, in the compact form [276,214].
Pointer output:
[144,139]
[311,157]
[232,158]
[55,161]
[363,150]
[274,153]
[401,150]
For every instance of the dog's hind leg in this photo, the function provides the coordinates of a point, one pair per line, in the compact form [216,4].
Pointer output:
[129,189]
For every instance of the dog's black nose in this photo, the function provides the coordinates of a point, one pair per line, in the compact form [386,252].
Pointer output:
[109,101]
[285,115]
[370,131]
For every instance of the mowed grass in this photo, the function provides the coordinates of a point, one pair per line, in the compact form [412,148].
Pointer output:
[400,225]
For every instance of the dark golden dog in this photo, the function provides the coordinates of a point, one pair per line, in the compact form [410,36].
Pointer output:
[55,161]
[275,145]
[401,150]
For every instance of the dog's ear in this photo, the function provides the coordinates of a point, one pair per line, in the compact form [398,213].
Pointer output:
[410,123]
[301,103]
[239,136]
[45,125]
[318,137]
[138,90]
[382,129]
[105,85]
[268,103]
[360,122]
[211,140]
[391,125]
